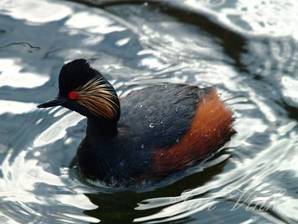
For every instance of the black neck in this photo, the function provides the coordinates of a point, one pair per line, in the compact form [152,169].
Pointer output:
[101,128]
[93,157]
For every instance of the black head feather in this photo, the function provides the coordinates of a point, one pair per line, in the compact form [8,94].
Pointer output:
[95,96]
[75,74]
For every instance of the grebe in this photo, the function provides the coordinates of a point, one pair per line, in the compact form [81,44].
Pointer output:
[163,128]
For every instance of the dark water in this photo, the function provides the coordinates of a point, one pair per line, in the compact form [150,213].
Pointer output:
[248,49]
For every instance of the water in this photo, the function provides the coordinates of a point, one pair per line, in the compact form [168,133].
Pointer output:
[247,49]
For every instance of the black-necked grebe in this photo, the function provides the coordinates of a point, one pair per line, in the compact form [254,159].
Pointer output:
[162,129]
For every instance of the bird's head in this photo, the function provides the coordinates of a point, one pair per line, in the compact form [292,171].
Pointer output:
[84,90]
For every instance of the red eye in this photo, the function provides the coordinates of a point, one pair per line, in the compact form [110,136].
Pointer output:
[73,95]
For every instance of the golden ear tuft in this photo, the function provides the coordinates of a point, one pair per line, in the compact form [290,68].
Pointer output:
[99,98]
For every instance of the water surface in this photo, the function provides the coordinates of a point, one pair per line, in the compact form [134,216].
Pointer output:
[247,49]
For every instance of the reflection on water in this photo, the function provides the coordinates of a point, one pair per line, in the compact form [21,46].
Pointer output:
[248,49]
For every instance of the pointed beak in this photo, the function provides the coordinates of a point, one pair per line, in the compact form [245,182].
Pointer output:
[53,103]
